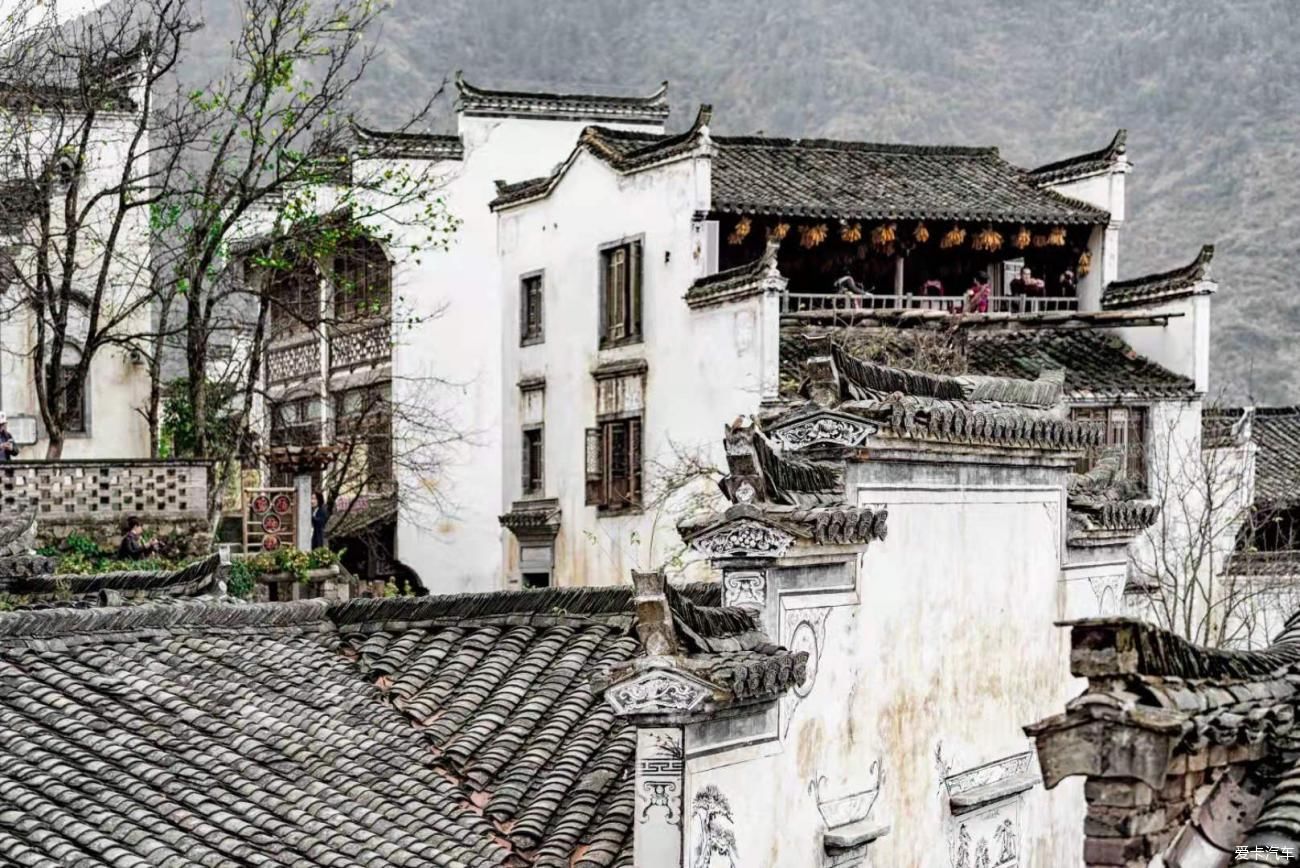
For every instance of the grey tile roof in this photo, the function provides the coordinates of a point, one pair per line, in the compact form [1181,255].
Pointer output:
[407,145]
[649,109]
[450,731]
[1096,363]
[1276,431]
[865,181]
[740,281]
[1162,710]
[196,579]
[1082,164]
[820,178]
[1161,286]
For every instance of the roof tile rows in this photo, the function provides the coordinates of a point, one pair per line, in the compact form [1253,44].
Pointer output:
[1276,431]
[1082,164]
[649,109]
[1096,363]
[449,731]
[1161,286]
[820,178]
[861,180]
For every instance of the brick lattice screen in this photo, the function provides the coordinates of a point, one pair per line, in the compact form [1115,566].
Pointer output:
[94,491]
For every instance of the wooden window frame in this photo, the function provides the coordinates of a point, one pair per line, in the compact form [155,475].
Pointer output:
[295,303]
[622,301]
[1121,423]
[526,473]
[76,422]
[364,265]
[607,489]
[527,337]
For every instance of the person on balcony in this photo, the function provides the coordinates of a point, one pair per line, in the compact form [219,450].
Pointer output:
[851,289]
[977,297]
[1025,289]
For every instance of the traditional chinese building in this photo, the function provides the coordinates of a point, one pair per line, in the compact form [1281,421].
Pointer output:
[93,118]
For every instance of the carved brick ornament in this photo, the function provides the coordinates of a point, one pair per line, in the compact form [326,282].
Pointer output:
[657,693]
[744,538]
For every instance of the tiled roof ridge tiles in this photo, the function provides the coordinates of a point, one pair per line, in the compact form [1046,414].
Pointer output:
[859,147]
[1195,269]
[578,602]
[1087,162]
[351,616]
[657,98]
[130,622]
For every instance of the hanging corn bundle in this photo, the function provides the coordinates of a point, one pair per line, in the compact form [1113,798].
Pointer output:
[884,235]
[741,232]
[1056,238]
[811,236]
[1085,263]
[1040,240]
[987,239]
[956,237]
[779,231]
[1022,238]
[920,234]
[850,232]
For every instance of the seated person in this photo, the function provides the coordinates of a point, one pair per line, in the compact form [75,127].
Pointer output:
[1027,286]
[133,547]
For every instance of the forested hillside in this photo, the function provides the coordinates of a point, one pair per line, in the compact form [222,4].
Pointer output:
[1209,91]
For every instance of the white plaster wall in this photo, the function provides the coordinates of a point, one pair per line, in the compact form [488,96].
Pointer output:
[116,386]
[704,367]
[1105,190]
[1183,344]
[454,538]
[952,650]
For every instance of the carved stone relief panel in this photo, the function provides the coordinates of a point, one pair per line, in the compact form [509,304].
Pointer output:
[657,692]
[802,630]
[744,538]
[660,796]
[824,429]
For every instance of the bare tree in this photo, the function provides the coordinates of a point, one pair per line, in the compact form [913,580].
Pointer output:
[85,171]
[1183,561]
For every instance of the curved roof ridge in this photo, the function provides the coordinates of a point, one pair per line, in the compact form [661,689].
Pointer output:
[813,143]
[650,108]
[65,622]
[1083,163]
[1164,285]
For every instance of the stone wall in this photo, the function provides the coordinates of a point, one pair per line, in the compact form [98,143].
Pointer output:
[94,498]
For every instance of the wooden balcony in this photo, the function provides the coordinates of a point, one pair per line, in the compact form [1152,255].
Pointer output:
[796,302]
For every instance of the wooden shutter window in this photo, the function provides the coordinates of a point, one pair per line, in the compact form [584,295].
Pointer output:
[634,289]
[615,289]
[525,459]
[634,461]
[595,468]
[1136,459]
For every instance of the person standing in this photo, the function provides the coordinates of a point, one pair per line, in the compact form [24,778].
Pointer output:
[8,448]
[320,516]
[977,297]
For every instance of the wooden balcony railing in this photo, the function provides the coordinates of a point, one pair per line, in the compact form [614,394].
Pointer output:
[793,302]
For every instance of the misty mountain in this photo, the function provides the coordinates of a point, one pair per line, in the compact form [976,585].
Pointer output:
[1208,91]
